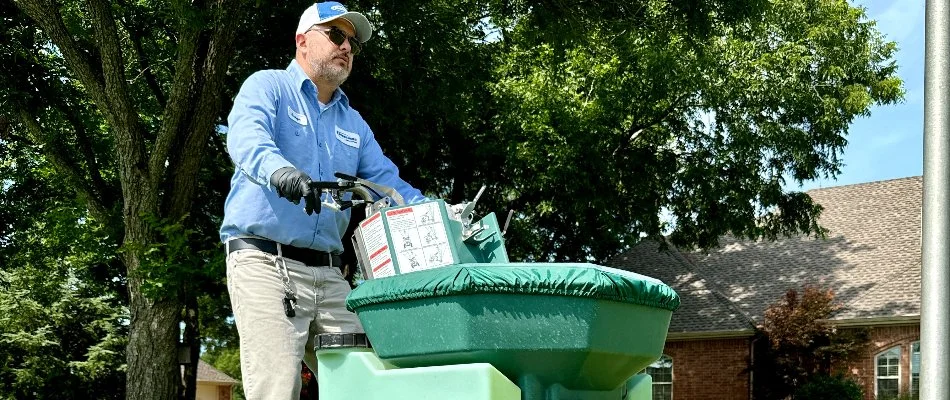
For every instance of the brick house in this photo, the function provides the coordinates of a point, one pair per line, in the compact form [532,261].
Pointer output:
[870,258]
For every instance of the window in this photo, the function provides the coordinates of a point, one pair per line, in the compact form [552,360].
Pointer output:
[915,370]
[887,373]
[662,373]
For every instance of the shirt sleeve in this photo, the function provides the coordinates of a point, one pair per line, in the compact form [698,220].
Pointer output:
[251,129]
[375,167]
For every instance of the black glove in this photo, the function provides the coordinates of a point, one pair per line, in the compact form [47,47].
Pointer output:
[292,184]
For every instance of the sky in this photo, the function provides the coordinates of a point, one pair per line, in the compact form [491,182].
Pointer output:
[889,143]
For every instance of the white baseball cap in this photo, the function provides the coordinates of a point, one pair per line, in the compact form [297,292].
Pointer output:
[323,12]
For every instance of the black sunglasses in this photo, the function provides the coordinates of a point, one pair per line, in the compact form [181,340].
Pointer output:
[337,36]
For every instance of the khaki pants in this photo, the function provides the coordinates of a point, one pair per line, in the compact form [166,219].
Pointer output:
[272,344]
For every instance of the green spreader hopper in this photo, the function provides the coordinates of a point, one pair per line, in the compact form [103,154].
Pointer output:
[492,330]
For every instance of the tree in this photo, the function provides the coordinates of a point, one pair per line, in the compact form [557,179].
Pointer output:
[592,119]
[63,326]
[801,343]
[122,98]
[707,126]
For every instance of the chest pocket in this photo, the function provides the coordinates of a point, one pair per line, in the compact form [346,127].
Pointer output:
[295,137]
[346,151]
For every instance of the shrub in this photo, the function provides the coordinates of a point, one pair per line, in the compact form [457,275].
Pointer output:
[825,387]
[800,343]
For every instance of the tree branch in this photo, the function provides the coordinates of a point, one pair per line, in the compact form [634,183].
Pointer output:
[136,33]
[108,90]
[48,18]
[211,58]
[7,134]
[104,192]
[45,89]
[636,130]
[63,163]
[182,99]
[138,191]
[116,86]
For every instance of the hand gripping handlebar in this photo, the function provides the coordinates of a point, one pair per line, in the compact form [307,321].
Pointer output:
[361,188]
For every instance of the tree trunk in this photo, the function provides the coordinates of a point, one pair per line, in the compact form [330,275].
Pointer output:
[158,171]
[152,352]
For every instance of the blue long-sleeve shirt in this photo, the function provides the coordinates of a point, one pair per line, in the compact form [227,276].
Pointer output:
[277,122]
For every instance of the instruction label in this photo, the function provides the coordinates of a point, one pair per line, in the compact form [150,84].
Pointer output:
[419,237]
[374,240]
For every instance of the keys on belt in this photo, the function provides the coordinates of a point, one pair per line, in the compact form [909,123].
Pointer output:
[308,257]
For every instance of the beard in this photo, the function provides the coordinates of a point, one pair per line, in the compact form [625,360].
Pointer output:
[325,69]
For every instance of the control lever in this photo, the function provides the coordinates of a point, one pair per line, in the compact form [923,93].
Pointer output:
[360,188]
[466,215]
[507,221]
[388,191]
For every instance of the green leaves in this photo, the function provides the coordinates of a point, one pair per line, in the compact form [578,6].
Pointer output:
[57,339]
[62,322]
[177,261]
[592,119]
[712,123]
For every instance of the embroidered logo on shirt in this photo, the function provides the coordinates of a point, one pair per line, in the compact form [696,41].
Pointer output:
[296,116]
[348,138]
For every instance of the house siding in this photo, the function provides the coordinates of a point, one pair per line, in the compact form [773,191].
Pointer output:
[709,369]
[883,338]
[716,369]
[213,391]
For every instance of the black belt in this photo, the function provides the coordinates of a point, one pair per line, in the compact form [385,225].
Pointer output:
[310,257]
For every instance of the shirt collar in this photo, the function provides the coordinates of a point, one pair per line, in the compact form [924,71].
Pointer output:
[304,83]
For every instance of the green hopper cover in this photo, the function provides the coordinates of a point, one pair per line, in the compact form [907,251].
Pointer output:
[557,279]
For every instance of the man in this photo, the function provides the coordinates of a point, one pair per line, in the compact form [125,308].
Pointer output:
[286,128]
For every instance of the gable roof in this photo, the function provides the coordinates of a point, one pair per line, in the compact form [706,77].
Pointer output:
[702,308]
[207,373]
[870,258]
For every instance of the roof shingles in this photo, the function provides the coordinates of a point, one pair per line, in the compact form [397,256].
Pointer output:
[870,258]
[207,373]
